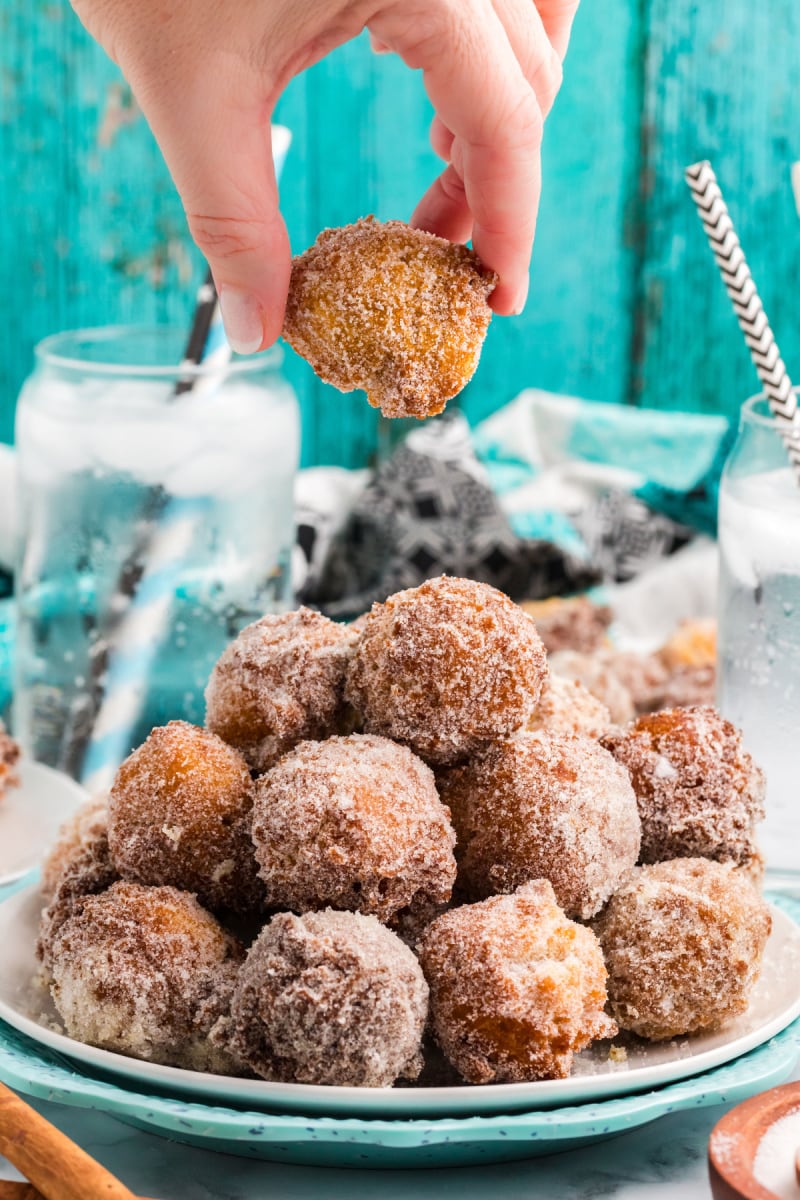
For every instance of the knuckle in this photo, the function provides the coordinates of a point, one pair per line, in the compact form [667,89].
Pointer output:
[524,124]
[226,237]
[452,185]
[420,37]
[547,79]
[441,139]
[556,73]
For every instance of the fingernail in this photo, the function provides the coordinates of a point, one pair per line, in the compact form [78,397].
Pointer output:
[522,297]
[241,316]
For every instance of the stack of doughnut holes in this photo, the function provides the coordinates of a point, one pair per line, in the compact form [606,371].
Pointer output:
[402,844]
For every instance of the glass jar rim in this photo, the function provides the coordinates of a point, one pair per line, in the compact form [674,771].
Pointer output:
[765,419]
[50,351]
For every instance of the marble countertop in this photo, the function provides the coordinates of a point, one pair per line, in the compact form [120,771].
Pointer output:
[660,1161]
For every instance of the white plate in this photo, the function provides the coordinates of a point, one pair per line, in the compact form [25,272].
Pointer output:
[31,815]
[775,1003]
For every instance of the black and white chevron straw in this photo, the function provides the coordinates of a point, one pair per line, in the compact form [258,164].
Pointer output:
[777,385]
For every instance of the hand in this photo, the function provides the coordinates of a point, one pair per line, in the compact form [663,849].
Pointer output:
[207,75]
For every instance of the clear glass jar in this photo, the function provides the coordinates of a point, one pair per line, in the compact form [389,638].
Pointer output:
[759,620]
[154,526]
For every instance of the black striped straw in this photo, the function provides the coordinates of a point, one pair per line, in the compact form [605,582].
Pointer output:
[722,237]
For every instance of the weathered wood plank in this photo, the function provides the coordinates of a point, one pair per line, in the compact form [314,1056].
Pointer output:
[93,231]
[721,83]
[575,333]
[624,302]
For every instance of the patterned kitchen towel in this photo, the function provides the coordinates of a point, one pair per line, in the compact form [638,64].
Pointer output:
[429,510]
[547,453]
[631,485]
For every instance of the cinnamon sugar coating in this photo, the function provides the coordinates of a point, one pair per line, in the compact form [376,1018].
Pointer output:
[390,309]
[328,998]
[85,829]
[9,754]
[355,823]
[544,806]
[516,987]
[78,865]
[446,667]
[570,623]
[566,706]
[599,676]
[683,942]
[278,683]
[179,814]
[753,868]
[145,972]
[656,681]
[698,790]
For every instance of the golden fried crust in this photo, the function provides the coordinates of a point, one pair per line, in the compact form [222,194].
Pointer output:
[699,792]
[355,823]
[145,972]
[446,667]
[693,644]
[390,309]
[543,806]
[179,814]
[683,942]
[516,988]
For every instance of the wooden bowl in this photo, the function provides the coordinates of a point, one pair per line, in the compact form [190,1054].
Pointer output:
[735,1139]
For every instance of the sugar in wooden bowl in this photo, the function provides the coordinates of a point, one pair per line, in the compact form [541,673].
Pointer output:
[753,1150]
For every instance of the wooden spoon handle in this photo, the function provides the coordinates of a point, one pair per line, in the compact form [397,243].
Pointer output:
[46,1156]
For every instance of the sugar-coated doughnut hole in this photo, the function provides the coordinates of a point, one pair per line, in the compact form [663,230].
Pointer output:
[599,677]
[145,972]
[516,988]
[179,814]
[570,623]
[86,827]
[355,823]
[683,942]
[566,706]
[79,864]
[446,667]
[328,998]
[278,683]
[543,806]
[698,790]
[390,309]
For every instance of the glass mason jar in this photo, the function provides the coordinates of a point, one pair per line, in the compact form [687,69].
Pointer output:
[759,620]
[154,524]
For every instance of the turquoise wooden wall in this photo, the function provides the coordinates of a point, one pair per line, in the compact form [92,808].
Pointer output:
[624,303]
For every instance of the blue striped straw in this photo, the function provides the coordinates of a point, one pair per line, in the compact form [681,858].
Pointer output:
[137,641]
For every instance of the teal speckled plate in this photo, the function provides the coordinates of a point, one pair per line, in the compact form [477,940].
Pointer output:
[346,1142]
[327,1141]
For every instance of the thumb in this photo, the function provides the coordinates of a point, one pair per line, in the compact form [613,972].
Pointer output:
[217,145]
